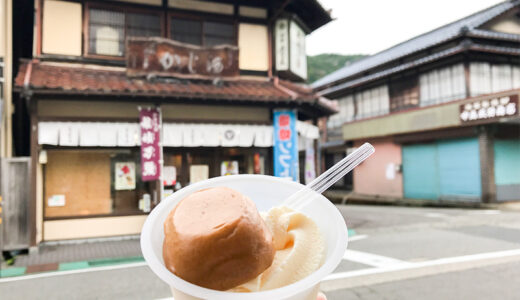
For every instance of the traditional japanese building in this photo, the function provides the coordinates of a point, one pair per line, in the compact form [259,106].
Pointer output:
[216,71]
[441,110]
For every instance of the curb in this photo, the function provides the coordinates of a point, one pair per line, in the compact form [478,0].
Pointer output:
[68,266]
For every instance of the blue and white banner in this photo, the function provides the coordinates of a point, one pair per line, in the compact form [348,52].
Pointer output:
[285,144]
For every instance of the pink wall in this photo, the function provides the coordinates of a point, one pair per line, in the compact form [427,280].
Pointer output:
[375,176]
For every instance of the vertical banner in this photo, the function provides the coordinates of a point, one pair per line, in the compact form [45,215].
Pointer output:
[310,170]
[150,123]
[285,144]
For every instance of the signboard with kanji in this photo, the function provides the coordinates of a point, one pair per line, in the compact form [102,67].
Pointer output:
[285,144]
[290,57]
[489,109]
[164,57]
[150,123]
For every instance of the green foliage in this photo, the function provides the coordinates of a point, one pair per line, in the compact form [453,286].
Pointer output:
[323,64]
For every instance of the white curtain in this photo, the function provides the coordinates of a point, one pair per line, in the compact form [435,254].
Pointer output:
[442,85]
[127,134]
[107,135]
[516,76]
[458,79]
[48,133]
[99,134]
[501,78]
[69,134]
[172,135]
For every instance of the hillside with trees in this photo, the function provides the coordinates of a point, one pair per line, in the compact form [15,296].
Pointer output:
[323,64]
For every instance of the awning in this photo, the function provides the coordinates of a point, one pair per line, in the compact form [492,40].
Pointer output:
[104,134]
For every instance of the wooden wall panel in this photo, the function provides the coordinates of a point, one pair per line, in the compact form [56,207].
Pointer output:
[83,177]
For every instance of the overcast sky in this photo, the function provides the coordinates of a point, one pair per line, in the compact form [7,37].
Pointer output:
[369,26]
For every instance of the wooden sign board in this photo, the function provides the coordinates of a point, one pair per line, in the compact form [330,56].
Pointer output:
[486,110]
[165,57]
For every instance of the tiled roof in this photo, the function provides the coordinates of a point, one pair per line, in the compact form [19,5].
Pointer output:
[77,79]
[421,42]
[421,61]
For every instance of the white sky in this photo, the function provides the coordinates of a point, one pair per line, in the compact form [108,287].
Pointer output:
[369,26]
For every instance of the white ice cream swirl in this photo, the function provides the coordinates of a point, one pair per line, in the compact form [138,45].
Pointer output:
[300,250]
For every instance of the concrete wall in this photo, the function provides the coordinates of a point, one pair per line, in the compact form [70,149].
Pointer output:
[99,109]
[253,47]
[62,28]
[378,175]
[92,227]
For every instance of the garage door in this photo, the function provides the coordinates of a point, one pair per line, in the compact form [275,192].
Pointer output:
[420,175]
[459,169]
[507,169]
[446,170]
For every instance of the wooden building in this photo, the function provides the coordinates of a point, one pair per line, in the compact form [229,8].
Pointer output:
[226,67]
[441,110]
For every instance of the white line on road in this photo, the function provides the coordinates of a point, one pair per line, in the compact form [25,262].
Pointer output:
[60,273]
[357,237]
[485,212]
[430,263]
[435,215]
[372,259]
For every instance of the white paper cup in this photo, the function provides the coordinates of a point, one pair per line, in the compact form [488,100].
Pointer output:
[266,192]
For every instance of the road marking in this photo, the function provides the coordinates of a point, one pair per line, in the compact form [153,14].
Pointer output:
[435,215]
[372,259]
[61,273]
[357,237]
[430,263]
[485,212]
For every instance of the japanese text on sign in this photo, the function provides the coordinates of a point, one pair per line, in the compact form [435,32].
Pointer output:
[150,123]
[285,145]
[489,109]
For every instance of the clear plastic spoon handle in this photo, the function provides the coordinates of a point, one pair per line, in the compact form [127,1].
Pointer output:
[329,177]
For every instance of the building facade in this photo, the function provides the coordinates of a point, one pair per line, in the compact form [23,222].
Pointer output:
[441,110]
[216,71]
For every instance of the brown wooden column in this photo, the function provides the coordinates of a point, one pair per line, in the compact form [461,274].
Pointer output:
[487,164]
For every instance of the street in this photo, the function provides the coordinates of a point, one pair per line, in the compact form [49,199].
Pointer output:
[396,253]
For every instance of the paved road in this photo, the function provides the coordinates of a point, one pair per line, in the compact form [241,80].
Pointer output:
[397,253]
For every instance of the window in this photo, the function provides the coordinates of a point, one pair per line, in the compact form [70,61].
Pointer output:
[372,102]
[202,33]
[442,85]
[94,182]
[488,78]
[186,31]
[345,114]
[108,29]
[404,94]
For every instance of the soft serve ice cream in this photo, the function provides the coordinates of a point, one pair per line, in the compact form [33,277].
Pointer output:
[215,238]
[300,250]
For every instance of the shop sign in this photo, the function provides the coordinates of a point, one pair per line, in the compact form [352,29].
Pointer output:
[489,109]
[285,144]
[290,55]
[125,176]
[150,123]
[164,57]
